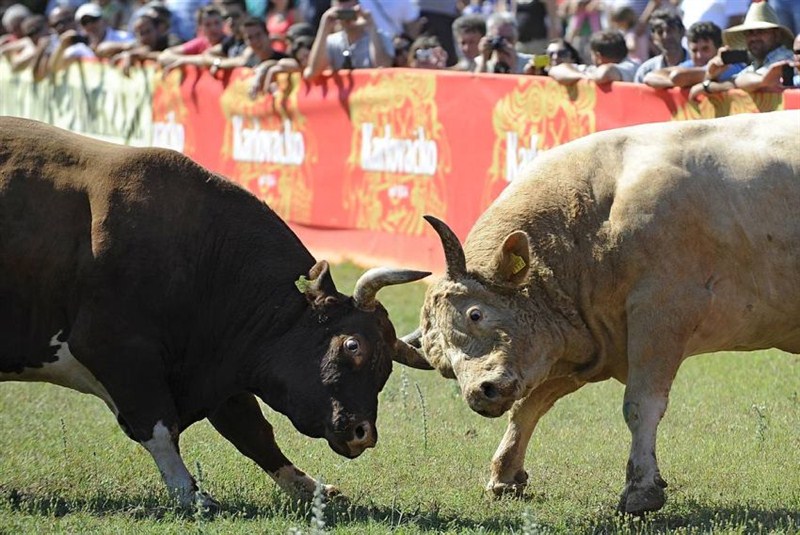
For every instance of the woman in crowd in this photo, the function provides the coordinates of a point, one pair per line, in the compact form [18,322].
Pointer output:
[427,53]
[281,14]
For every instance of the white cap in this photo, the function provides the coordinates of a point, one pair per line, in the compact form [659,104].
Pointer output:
[89,9]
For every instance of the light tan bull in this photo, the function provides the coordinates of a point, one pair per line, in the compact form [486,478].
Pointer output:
[620,255]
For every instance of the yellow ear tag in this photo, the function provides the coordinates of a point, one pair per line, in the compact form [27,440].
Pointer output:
[517,263]
[302,284]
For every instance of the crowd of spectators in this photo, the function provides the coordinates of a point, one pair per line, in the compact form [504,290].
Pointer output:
[707,46]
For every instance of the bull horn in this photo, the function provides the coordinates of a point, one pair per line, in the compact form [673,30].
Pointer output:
[408,355]
[414,339]
[376,278]
[453,252]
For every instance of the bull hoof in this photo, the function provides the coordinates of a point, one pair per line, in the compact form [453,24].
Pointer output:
[197,502]
[641,499]
[516,488]
[329,492]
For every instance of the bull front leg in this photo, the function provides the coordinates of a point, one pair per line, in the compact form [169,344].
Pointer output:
[163,447]
[508,475]
[130,369]
[240,421]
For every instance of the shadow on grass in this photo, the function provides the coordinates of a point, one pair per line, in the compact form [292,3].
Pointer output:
[694,517]
[156,507]
[55,505]
[688,515]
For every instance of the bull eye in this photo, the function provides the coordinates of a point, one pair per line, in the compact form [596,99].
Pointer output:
[475,314]
[351,345]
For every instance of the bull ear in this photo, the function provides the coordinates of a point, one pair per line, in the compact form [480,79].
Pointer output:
[319,288]
[410,356]
[453,252]
[513,259]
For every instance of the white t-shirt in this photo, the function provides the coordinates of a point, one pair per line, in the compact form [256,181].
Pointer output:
[358,51]
[716,11]
[389,17]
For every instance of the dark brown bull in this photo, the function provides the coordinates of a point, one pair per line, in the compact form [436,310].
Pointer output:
[174,295]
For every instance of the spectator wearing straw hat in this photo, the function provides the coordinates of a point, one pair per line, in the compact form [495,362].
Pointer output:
[768,44]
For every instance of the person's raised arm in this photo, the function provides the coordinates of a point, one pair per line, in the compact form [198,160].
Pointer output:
[318,57]
[57,60]
[40,61]
[380,57]
[482,61]
[554,25]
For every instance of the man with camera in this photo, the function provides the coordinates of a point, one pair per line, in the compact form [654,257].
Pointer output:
[761,42]
[356,45]
[497,48]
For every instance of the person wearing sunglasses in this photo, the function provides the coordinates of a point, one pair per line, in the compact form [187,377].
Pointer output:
[561,51]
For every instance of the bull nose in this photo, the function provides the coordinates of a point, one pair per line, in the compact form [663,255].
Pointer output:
[490,390]
[364,436]
[492,398]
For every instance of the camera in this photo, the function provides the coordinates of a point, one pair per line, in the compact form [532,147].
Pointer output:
[502,68]
[497,43]
[541,61]
[346,14]
[734,56]
[424,54]
[787,76]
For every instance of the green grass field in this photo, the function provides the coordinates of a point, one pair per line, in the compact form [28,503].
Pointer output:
[729,447]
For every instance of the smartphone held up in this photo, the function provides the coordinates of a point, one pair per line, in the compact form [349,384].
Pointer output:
[734,56]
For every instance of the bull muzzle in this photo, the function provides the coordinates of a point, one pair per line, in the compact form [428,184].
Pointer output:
[354,440]
[492,397]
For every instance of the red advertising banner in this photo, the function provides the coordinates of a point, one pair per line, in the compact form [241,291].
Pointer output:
[353,161]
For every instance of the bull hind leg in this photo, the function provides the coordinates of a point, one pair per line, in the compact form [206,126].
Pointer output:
[654,356]
[240,421]
[508,475]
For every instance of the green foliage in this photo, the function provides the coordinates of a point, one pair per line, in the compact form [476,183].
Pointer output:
[728,446]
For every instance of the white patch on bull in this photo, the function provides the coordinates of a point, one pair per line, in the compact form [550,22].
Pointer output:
[174,472]
[65,371]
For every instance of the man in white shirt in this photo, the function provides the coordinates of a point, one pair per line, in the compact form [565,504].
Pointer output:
[723,13]
[392,18]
